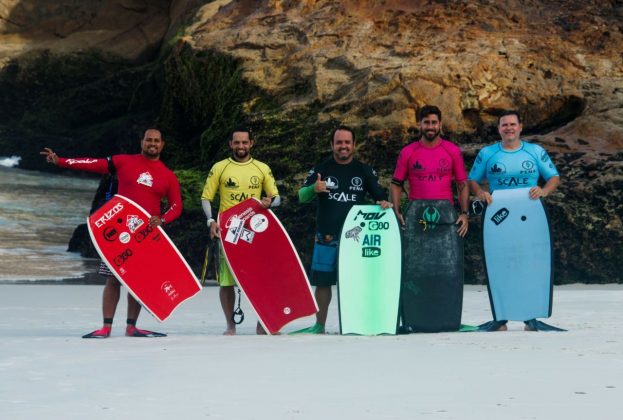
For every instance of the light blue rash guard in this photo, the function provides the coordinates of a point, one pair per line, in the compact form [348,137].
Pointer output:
[507,169]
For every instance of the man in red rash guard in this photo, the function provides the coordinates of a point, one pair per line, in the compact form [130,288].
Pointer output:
[144,179]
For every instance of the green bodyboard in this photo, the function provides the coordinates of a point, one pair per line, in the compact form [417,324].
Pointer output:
[369,270]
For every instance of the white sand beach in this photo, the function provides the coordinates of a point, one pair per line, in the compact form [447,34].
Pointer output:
[48,372]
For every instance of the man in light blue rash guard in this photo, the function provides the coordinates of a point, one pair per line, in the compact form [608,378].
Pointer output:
[512,163]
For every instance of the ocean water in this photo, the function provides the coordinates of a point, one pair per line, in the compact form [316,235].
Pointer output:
[38,213]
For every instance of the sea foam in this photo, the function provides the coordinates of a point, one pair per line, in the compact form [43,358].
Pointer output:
[10,162]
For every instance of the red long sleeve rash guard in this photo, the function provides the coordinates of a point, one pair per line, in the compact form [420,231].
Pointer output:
[142,180]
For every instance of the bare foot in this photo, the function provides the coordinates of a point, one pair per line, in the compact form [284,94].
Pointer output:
[528,328]
[230,331]
[503,328]
[259,330]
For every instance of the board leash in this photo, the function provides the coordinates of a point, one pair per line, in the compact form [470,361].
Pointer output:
[238,312]
[204,269]
[432,225]
[478,207]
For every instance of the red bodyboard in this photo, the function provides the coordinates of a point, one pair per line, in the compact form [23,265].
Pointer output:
[266,266]
[144,259]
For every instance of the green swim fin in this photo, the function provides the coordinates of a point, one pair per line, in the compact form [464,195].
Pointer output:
[468,328]
[314,329]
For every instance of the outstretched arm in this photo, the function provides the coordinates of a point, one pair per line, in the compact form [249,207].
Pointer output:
[50,156]
[99,166]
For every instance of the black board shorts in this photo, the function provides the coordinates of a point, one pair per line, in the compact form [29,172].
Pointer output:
[103,270]
[323,278]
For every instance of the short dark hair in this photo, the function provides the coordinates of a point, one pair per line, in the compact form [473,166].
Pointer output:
[509,112]
[427,110]
[342,128]
[243,128]
[153,128]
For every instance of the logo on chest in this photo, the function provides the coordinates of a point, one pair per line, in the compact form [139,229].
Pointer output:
[145,179]
[254,182]
[528,167]
[231,183]
[332,183]
[356,184]
[498,168]
[444,167]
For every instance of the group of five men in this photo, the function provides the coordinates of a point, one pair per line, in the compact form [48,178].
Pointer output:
[430,166]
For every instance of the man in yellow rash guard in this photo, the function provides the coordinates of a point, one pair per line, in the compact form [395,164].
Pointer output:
[235,179]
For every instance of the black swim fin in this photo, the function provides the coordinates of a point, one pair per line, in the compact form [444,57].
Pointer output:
[536,325]
[491,326]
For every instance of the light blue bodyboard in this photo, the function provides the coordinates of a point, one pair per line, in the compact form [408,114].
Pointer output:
[518,256]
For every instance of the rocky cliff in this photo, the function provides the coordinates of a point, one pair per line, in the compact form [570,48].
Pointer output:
[104,69]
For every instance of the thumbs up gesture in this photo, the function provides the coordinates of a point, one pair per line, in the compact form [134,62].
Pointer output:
[320,186]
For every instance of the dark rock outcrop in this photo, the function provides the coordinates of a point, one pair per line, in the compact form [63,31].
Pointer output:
[92,75]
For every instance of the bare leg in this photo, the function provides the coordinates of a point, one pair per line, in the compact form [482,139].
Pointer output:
[134,308]
[228,299]
[110,298]
[323,298]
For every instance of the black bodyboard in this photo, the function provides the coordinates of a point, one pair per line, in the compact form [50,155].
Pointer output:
[432,279]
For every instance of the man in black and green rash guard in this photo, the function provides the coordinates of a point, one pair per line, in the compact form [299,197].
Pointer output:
[339,182]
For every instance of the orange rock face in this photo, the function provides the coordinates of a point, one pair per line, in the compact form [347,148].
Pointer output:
[376,62]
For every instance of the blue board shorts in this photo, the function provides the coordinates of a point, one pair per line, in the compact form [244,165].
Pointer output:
[324,262]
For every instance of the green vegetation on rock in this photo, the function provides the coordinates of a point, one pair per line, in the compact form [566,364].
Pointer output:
[92,104]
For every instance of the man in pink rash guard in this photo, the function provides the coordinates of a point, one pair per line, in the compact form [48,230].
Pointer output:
[430,165]
[144,179]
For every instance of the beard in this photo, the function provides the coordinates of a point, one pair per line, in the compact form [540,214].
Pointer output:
[241,153]
[151,154]
[430,135]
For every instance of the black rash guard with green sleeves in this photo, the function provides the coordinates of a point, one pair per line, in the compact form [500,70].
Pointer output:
[347,185]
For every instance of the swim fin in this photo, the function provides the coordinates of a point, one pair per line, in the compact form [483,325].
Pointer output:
[314,329]
[468,328]
[536,325]
[132,331]
[101,333]
[491,326]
